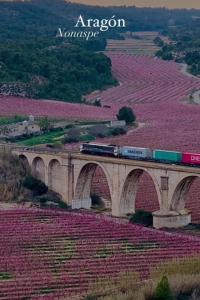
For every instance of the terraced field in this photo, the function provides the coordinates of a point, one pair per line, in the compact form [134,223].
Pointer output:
[156,90]
[146,80]
[136,43]
[10,106]
[53,255]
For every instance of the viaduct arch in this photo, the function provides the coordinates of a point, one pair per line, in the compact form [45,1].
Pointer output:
[24,159]
[181,191]
[70,175]
[54,175]
[130,189]
[83,182]
[38,168]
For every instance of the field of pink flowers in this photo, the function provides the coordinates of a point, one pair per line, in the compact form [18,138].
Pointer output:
[56,109]
[53,255]
[156,90]
[146,80]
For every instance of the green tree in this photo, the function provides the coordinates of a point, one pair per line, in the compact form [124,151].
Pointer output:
[44,124]
[35,185]
[158,41]
[163,291]
[73,136]
[97,102]
[142,217]
[126,113]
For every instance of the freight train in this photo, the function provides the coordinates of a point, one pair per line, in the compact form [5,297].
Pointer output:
[162,156]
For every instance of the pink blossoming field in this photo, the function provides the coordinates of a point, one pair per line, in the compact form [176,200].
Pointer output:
[157,91]
[57,255]
[56,109]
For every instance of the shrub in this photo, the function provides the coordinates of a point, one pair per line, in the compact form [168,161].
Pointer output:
[74,131]
[101,135]
[52,200]
[87,138]
[97,102]
[100,130]
[96,200]
[142,217]
[43,200]
[163,291]
[70,139]
[118,130]
[62,204]
[90,298]
[73,136]
[57,145]
[55,129]
[35,185]
[5,276]
[126,114]
[69,126]
[44,124]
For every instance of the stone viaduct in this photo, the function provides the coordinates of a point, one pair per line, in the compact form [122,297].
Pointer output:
[70,175]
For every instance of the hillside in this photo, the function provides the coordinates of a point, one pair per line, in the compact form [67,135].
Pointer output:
[13,172]
[185,47]
[52,71]
[28,19]
[34,63]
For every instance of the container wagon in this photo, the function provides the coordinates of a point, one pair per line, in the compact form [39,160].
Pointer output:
[191,158]
[135,153]
[165,156]
[99,149]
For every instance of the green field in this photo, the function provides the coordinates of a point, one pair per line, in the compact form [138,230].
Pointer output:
[47,138]
[11,120]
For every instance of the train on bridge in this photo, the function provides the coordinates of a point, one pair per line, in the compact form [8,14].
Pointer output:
[161,156]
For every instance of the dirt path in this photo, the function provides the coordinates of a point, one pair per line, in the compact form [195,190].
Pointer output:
[184,70]
[8,206]
[196,97]
[138,126]
[5,206]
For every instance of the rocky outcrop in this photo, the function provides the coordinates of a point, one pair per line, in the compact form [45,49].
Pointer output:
[14,89]
[12,174]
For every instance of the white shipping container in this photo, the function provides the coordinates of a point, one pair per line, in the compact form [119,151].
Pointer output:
[135,152]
